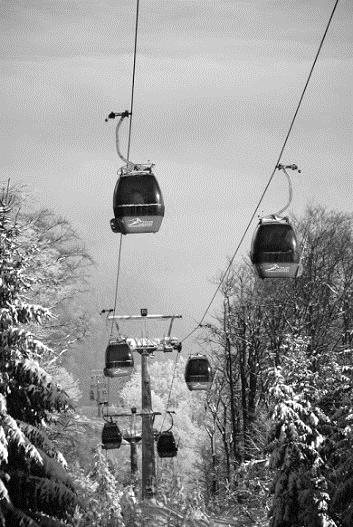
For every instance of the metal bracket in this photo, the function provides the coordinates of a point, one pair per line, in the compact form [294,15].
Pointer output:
[112,115]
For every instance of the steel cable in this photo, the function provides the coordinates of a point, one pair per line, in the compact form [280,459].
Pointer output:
[225,274]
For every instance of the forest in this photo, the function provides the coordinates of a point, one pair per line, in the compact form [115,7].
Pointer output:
[269,444]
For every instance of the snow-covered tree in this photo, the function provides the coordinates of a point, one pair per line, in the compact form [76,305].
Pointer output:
[312,381]
[100,494]
[299,485]
[34,485]
[292,339]
[60,266]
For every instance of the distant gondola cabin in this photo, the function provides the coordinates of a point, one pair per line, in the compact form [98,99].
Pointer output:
[111,436]
[166,445]
[274,249]
[138,203]
[198,373]
[119,360]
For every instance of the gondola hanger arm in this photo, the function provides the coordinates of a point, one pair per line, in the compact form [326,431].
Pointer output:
[284,169]
[122,115]
[170,412]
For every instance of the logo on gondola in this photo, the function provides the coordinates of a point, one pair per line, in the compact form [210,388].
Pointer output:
[137,222]
[198,386]
[276,267]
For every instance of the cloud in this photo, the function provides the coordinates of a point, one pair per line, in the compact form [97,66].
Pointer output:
[216,87]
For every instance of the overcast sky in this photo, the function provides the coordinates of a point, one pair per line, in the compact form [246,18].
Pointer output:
[217,83]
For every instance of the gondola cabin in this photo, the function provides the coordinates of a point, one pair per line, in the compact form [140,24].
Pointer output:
[274,249]
[119,360]
[103,395]
[198,373]
[138,203]
[111,436]
[166,445]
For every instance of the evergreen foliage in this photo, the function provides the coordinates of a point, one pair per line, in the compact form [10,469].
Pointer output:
[299,484]
[101,495]
[34,486]
[59,270]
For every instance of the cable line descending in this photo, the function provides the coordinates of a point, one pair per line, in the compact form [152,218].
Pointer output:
[116,285]
[138,208]
[137,202]
[226,272]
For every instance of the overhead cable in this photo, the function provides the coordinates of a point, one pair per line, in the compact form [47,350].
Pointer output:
[129,145]
[225,274]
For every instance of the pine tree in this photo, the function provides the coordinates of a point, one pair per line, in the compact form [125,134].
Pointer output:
[299,486]
[34,486]
[101,495]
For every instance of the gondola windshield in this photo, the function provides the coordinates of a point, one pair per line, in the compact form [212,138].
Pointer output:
[198,373]
[120,353]
[274,251]
[275,242]
[119,359]
[166,445]
[111,436]
[139,189]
